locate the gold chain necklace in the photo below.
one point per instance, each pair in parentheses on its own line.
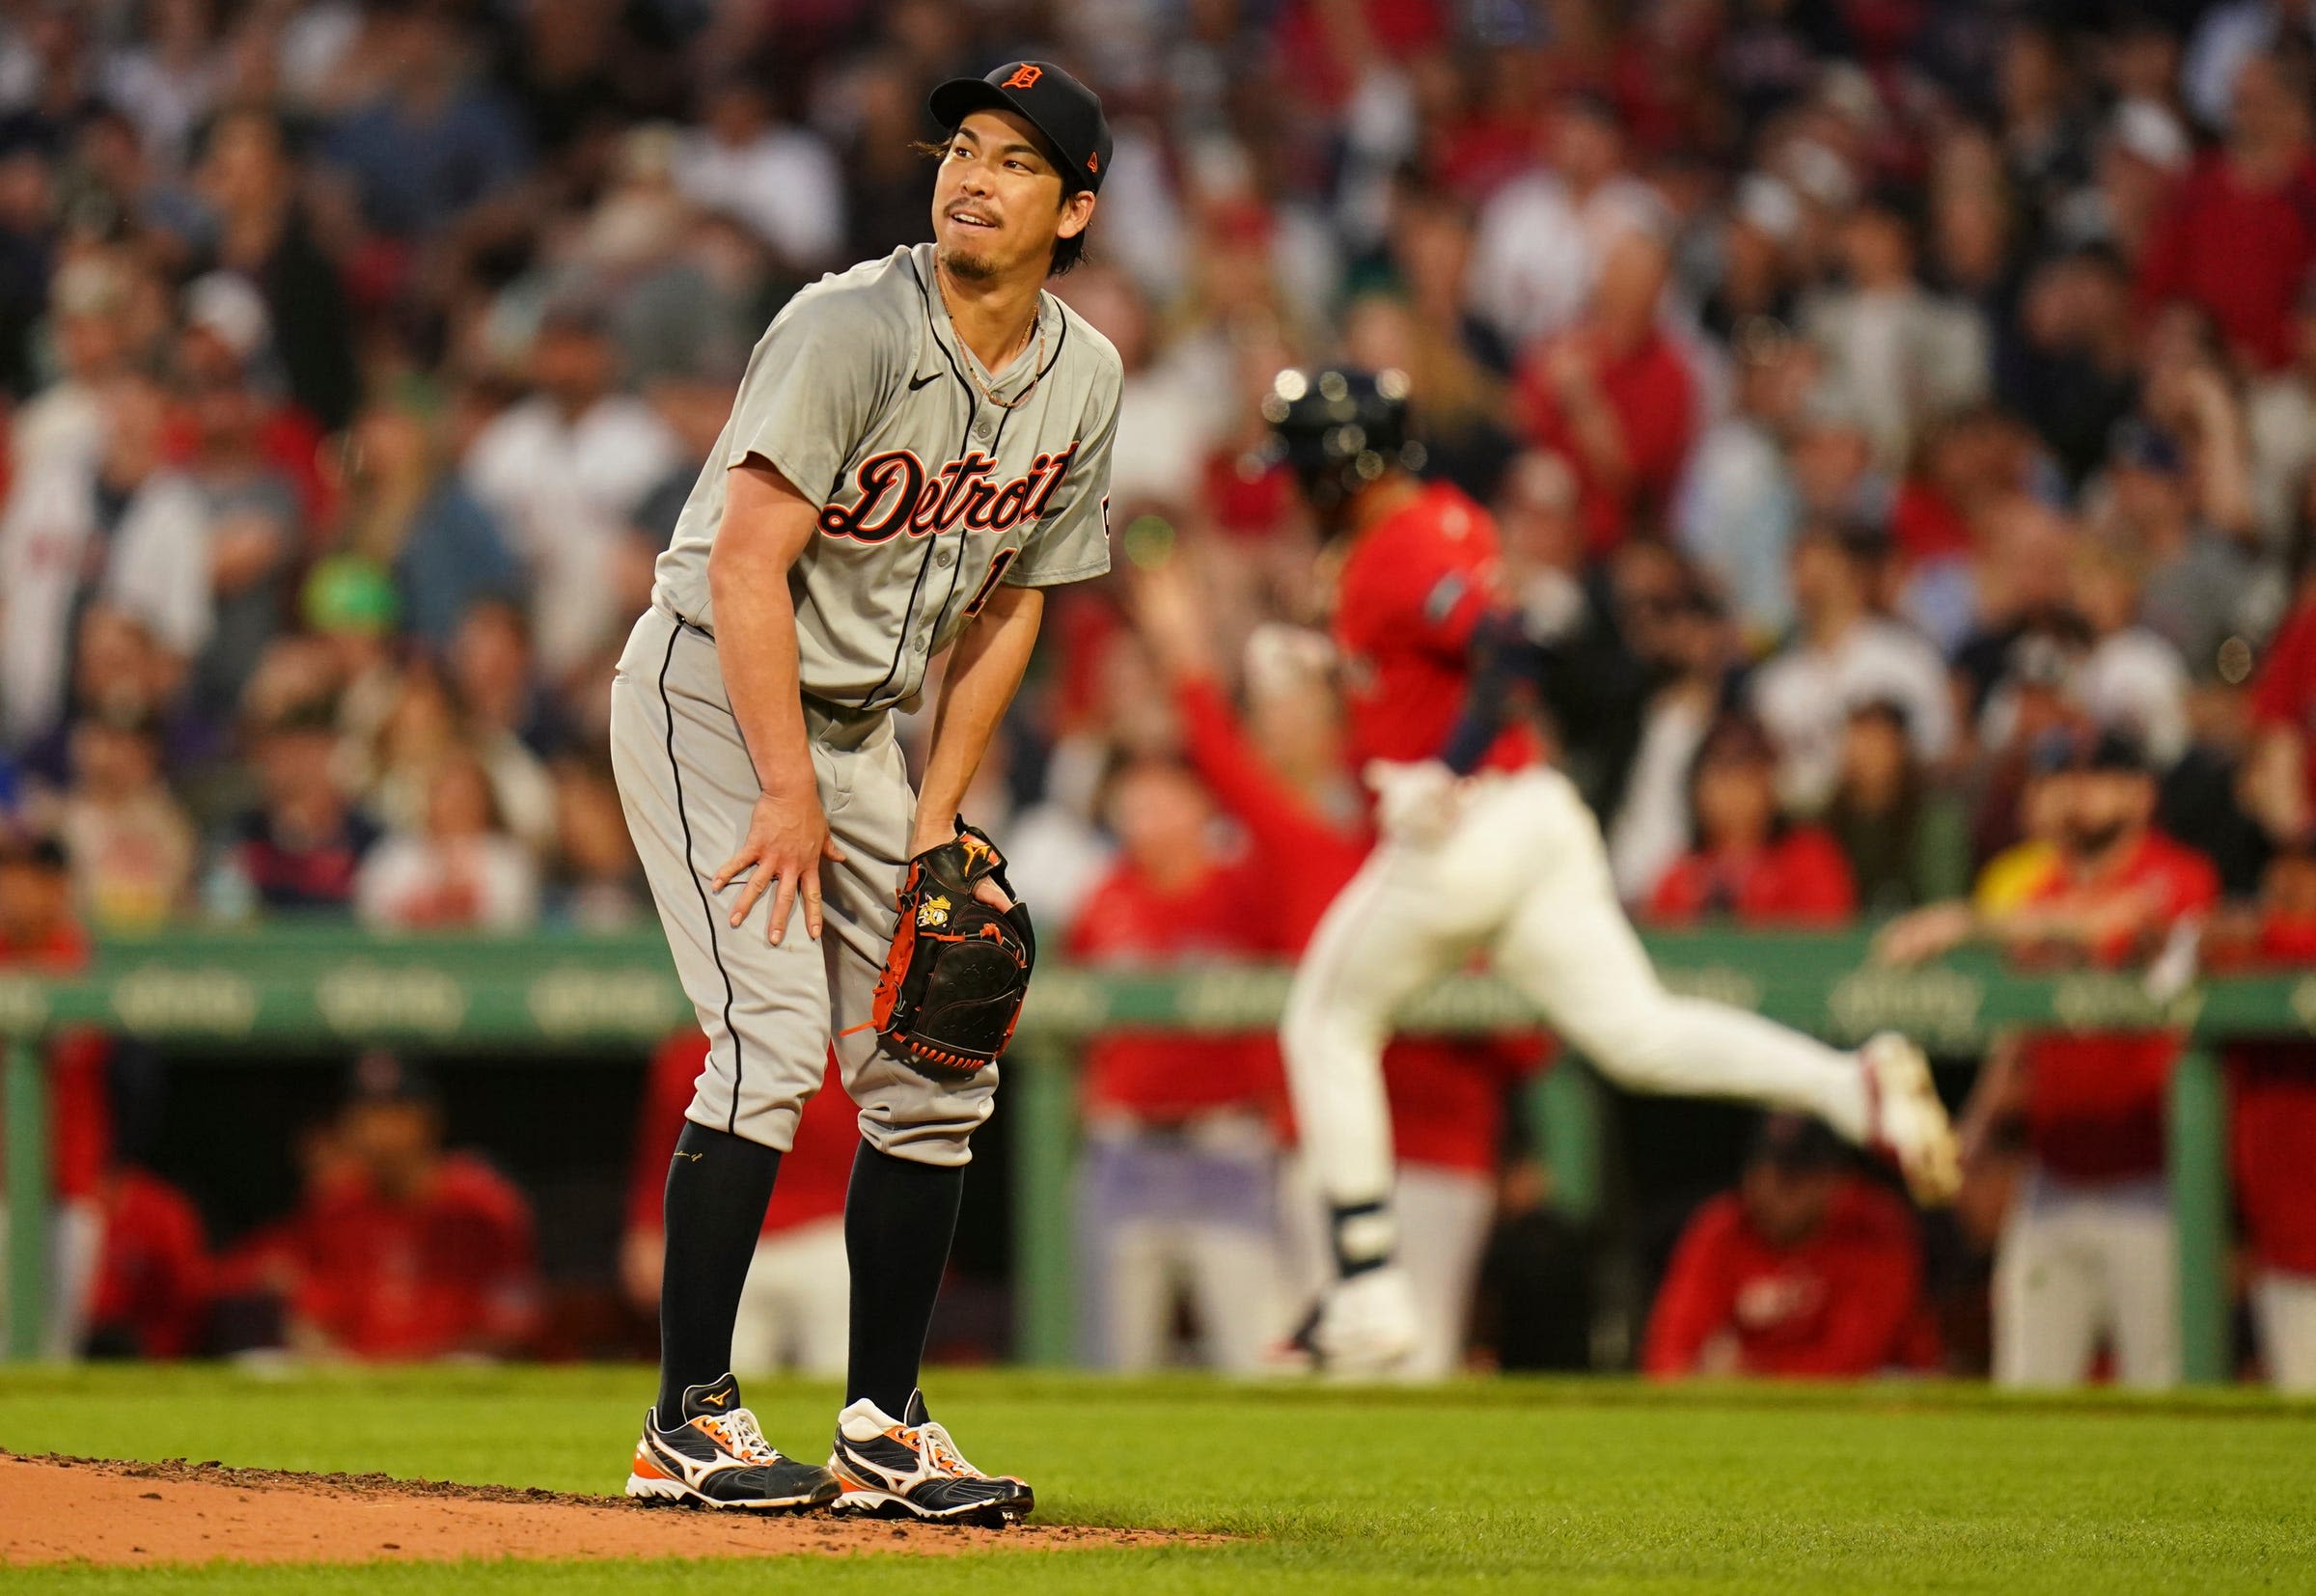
(972,361)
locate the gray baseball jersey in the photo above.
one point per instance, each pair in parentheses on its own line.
(931,491)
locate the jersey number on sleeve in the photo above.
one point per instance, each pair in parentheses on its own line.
(996,569)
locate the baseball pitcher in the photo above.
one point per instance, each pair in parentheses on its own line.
(919,448)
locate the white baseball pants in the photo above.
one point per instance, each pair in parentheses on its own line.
(1522,875)
(2081,1265)
(2284,1306)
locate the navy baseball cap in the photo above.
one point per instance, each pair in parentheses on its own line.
(1067,113)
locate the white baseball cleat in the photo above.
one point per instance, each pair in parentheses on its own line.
(908,1468)
(1365,1326)
(1906,1122)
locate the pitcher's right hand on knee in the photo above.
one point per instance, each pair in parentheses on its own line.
(788,839)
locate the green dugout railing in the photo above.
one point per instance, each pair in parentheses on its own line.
(544,996)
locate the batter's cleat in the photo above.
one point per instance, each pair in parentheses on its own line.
(909,1468)
(1905,1121)
(718,1458)
(1365,1326)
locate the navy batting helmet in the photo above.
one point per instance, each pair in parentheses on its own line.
(1338,429)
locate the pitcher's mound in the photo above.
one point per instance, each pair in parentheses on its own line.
(68,1510)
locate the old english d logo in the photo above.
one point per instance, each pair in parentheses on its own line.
(1024,76)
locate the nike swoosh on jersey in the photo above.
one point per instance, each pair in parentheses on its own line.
(916,383)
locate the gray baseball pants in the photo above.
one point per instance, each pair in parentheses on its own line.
(770,1011)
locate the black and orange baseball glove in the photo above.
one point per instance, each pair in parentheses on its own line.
(958,970)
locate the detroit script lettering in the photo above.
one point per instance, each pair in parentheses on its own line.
(897,494)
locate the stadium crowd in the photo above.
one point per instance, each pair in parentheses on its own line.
(1914,399)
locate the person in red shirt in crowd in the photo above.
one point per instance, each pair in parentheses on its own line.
(416,1253)
(39,935)
(1613,396)
(2239,236)
(1806,1269)
(1178,1182)
(1447,1094)
(2279,785)
(796,1308)
(1748,865)
(2086,1256)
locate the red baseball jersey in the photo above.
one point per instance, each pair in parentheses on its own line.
(2095,1103)
(450,1267)
(1844,1302)
(1446,1092)
(2272,1125)
(1412,589)
(814,1173)
(153,1279)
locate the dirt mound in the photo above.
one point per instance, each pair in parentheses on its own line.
(70,1509)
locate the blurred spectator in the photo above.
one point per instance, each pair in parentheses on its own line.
(1691,652)
(254,509)
(412,1253)
(2280,432)
(1746,863)
(436,137)
(565,473)
(505,716)
(1806,1269)
(302,845)
(2279,781)
(406,509)
(1180,1179)
(131,845)
(781,179)
(1545,237)
(2198,579)
(1843,654)
(2129,678)
(462,872)
(1738,504)
(2088,1256)
(1906,838)
(2068,371)
(1613,396)
(598,883)
(253,223)
(120,528)
(89,334)
(2237,238)
(796,1308)
(1902,355)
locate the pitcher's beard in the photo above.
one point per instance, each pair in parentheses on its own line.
(966,267)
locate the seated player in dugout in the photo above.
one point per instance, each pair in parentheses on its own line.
(921,447)
(1806,1269)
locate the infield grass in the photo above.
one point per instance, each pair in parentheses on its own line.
(1512,1486)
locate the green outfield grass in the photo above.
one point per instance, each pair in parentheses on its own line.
(1509,1486)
